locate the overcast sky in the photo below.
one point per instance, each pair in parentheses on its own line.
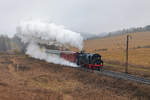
(94,16)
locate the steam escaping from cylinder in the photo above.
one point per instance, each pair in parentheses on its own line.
(33,32)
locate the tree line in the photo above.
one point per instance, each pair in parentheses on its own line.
(130,30)
(7,43)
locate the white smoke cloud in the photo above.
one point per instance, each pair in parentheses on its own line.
(32,30)
(34,50)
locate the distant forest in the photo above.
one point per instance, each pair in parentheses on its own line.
(130,30)
(9,44)
(120,32)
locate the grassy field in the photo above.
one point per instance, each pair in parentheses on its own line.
(112,50)
(25,78)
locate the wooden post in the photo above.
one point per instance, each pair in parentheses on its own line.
(127,49)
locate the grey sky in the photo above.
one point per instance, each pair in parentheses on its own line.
(94,16)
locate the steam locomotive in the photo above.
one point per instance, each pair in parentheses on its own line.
(91,61)
(86,60)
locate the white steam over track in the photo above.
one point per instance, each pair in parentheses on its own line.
(33,32)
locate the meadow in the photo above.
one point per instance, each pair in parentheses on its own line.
(113,51)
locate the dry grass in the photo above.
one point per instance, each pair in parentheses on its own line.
(113,49)
(46,81)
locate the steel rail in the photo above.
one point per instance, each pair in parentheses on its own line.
(120,75)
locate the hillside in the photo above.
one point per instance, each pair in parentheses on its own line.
(112,49)
(25,78)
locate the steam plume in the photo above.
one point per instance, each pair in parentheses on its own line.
(33,32)
(31,29)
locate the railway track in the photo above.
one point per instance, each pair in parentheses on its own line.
(84,57)
(124,76)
